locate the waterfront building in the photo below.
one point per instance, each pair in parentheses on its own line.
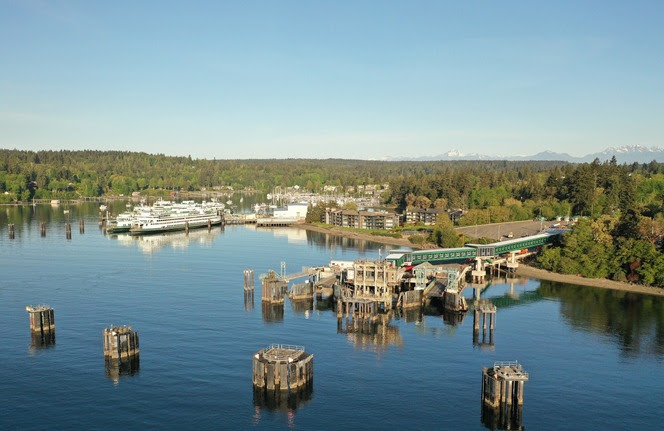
(361,219)
(431,216)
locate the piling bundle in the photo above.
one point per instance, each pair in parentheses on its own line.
(502,393)
(282,367)
(120,342)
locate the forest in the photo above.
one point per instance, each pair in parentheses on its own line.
(620,235)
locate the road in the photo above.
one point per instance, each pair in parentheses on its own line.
(497,231)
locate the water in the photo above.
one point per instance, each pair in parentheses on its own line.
(595,357)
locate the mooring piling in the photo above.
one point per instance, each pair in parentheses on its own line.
(120,342)
(282,367)
(502,391)
(249,279)
(42,325)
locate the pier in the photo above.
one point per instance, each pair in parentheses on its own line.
(274,222)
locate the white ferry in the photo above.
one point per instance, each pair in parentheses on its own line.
(173,222)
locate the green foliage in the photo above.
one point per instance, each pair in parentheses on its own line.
(417,239)
(444,235)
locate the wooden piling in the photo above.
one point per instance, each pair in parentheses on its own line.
(42,319)
(502,385)
(120,342)
(282,367)
(68,230)
(186,227)
(81,226)
(486,312)
(11,231)
(42,228)
(249,279)
(273,288)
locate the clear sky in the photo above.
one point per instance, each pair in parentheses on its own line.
(350,79)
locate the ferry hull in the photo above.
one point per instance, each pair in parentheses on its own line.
(179,227)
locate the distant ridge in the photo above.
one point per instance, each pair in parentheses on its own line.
(624,154)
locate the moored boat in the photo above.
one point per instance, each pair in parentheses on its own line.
(173,222)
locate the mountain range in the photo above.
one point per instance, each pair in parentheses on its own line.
(625,154)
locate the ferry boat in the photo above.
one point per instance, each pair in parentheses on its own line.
(173,222)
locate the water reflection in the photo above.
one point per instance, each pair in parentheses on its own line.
(115,368)
(372,333)
(272,313)
(248,300)
(149,244)
(281,401)
(329,241)
(505,418)
(302,306)
(635,321)
(42,340)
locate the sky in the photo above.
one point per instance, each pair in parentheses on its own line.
(348,79)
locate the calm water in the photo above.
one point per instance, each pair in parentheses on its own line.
(595,357)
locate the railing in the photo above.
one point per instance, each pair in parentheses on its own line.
(285,347)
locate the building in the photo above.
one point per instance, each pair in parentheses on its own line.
(361,219)
(430,216)
(427,216)
(294,211)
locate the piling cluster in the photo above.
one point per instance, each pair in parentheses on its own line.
(484,315)
(282,367)
(502,394)
(42,325)
(120,342)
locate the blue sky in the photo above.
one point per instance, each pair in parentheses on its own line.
(351,79)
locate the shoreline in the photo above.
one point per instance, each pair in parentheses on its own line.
(523,269)
(542,274)
(402,242)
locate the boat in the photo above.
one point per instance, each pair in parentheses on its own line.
(173,222)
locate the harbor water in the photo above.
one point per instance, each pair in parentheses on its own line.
(595,357)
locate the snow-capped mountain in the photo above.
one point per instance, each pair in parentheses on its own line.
(624,154)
